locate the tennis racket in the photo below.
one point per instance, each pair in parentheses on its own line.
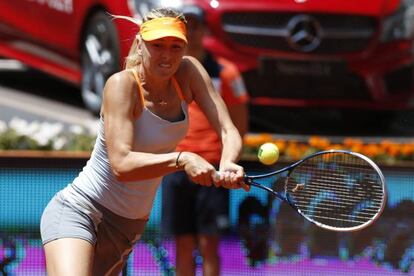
(337,190)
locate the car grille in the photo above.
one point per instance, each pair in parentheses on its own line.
(337,33)
(346,87)
(399,81)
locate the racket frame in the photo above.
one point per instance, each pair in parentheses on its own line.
(250,180)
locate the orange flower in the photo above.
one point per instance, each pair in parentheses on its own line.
(386,142)
(407,150)
(295,150)
(356,147)
(371,150)
(352,142)
(337,147)
(388,145)
(319,142)
(256,140)
(292,151)
(281,144)
(393,150)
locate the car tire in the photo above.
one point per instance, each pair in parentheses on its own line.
(100,58)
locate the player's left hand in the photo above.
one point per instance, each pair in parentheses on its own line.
(230,176)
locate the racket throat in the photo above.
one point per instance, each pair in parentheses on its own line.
(289,200)
(287,196)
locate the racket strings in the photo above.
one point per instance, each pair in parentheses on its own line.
(338,190)
(342,210)
(331,202)
(276,182)
(364,215)
(344,193)
(340,220)
(356,189)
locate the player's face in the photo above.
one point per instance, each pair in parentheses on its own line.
(163,56)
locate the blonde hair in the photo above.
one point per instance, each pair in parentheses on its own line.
(133,58)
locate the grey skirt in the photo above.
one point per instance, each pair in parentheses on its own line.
(112,235)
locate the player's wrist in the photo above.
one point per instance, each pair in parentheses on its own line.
(226,164)
(182,159)
(179,161)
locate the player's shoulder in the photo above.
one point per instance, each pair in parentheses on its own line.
(188,67)
(188,64)
(121,81)
(124,78)
(121,76)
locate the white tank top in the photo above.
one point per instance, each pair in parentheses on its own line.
(132,200)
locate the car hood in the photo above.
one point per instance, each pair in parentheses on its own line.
(370,8)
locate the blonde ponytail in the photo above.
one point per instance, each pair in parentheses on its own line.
(133,58)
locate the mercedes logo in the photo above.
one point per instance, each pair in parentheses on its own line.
(304,33)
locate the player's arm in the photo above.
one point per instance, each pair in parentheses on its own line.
(120,110)
(217,113)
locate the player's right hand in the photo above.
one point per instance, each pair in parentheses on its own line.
(197,168)
(230,180)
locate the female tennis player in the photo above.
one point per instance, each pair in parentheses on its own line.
(91,226)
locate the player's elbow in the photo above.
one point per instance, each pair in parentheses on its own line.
(120,168)
(118,171)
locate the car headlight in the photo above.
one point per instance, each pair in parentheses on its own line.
(139,8)
(400,24)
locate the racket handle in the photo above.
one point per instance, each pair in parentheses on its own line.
(216,176)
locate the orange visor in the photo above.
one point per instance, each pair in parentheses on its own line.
(163,27)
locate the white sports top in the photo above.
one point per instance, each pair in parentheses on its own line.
(132,200)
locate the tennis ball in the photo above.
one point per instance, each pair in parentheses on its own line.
(268,153)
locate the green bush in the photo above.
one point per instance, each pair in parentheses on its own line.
(19,134)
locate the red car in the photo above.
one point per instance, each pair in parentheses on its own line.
(337,53)
(292,52)
(73,40)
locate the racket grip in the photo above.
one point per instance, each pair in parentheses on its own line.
(216,176)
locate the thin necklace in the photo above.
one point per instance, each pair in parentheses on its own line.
(159,101)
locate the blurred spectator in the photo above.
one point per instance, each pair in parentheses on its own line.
(197,215)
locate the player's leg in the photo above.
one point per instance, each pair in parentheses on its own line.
(116,238)
(212,221)
(69,256)
(185,246)
(68,237)
(209,247)
(178,218)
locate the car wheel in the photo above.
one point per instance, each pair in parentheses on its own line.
(99,58)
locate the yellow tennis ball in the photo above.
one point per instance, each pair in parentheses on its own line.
(268,153)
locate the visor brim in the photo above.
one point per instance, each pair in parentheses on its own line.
(157,34)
